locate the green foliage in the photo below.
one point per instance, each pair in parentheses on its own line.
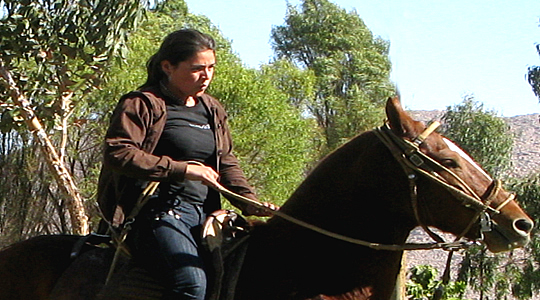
(350,65)
(481,133)
(525,267)
(423,283)
(533,76)
(272,140)
(298,84)
(485,272)
(56,48)
(57,52)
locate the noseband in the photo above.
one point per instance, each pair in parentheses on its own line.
(413,161)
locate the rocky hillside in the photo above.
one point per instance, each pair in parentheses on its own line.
(526,152)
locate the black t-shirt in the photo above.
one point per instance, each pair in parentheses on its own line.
(187,136)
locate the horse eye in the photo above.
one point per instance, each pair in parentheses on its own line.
(449,163)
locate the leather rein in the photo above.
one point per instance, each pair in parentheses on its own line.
(414,162)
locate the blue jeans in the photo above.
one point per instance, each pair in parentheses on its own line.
(167,243)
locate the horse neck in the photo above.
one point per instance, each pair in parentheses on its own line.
(357,190)
(353,196)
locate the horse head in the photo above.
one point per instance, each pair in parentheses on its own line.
(454,193)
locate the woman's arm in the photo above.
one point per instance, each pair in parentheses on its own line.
(130,139)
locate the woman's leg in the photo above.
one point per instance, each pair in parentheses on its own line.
(184,267)
(167,247)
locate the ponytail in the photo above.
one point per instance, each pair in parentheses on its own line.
(154,71)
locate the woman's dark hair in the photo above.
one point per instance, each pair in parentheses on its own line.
(178,46)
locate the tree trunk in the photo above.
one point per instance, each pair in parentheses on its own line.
(79,219)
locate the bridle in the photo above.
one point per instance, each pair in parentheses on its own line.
(413,161)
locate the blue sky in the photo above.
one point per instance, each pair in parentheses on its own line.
(440,50)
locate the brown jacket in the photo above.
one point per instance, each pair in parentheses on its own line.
(136,126)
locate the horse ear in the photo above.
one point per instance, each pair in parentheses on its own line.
(400,121)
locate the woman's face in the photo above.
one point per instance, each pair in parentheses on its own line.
(191,77)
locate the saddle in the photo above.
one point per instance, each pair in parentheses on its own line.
(224,244)
(224,237)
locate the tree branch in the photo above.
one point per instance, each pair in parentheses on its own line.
(79,219)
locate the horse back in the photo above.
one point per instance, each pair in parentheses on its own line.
(30,269)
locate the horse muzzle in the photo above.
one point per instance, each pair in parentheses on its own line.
(504,238)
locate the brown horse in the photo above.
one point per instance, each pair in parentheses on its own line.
(371,193)
(361,191)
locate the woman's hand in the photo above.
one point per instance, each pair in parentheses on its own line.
(209,177)
(202,173)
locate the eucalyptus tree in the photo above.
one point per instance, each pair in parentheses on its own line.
(525,267)
(351,66)
(533,76)
(513,275)
(273,140)
(53,54)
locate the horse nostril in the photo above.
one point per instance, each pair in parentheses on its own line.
(524,225)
